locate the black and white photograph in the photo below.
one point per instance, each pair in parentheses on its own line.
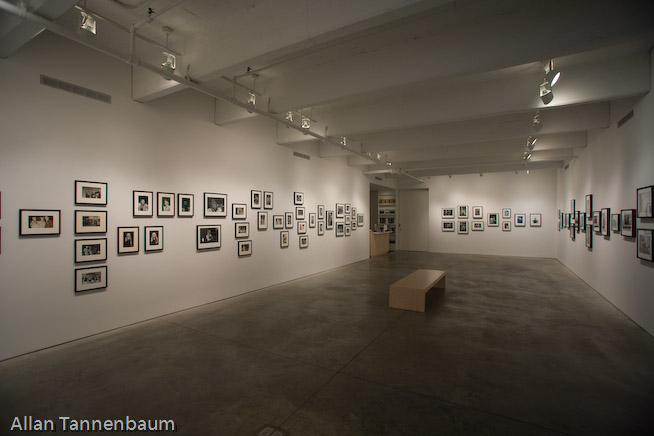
(447,213)
(348,209)
(534,220)
(215,205)
(283,239)
(35,222)
(329,224)
(90,250)
(298,198)
(267,200)
(90,193)
(321,228)
(312,220)
(360,220)
(582,221)
(128,240)
(185,205)
(615,223)
(255,199)
(348,220)
(644,202)
(477,213)
(90,221)
(153,238)
(301,227)
(340,228)
(447,226)
(520,220)
(321,212)
(644,244)
(462,227)
(340,210)
(506,226)
(477,226)
(262,220)
(143,204)
(242,230)
(89,279)
(597,221)
(165,204)
(589,205)
(278,222)
(493,219)
(208,237)
(462,212)
(627,219)
(289,220)
(348,230)
(506,214)
(299,213)
(239,211)
(354,225)
(354,212)
(244,248)
(589,237)
(304,241)
(605,221)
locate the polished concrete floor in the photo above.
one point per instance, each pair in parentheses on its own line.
(513,346)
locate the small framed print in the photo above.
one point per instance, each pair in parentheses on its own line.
(301,227)
(244,248)
(142,203)
(340,229)
(35,222)
(321,228)
(572,231)
(185,205)
(589,205)
(348,230)
(462,227)
(447,213)
(321,212)
(153,238)
(597,220)
(90,250)
(644,202)
(447,226)
(329,220)
(477,226)
(506,214)
(582,221)
(241,230)
(348,220)
(299,213)
(90,221)
(267,200)
(278,222)
(360,221)
(128,240)
(165,204)
(534,220)
(340,210)
(255,199)
(506,226)
(354,225)
(262,220)
(90,193)
(477,213)
(208,237)
(462,211)
(520,220)
(348,209)
(572,206)
(283,239)
(289,220)
(615,223)
(605,221)
(298,198)
(589,237)
(239,211)
(89,279)
(644,244)
(354,212)
(312,220)
(493,219)
(215,205)
(304,241)
(628,222)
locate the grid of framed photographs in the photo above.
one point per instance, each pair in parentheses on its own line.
(492,219)
(91,222)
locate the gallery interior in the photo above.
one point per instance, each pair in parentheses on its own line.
(204,206)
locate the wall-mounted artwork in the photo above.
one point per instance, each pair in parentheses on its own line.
(142,204)
(348,230)
(340,210)
(520,220)
(241,230)
(348,209)
(128,240)
(615,223)
(298,198)
(589,237)
(477,226)
(268,200)
(477,213)
(493,219)
(301,227)
(462,227)
(244,248)
(321,228)
(644,202)
(447,213)
(321,212)
(506,226)
(360,221)
(185,205)
(89,279)
(329,224)
(239,211)
(262,220)
(644,244)
(340,229)
(304,241)
(582,221)
(462,212)
(628,220)
(278,222)
(578,221)
(605,221)
(255,199)
(299,213)
(447,226)
(215,205)
(354,212)
(535,219)
(153,238)
(597,221)
(312,220)
(289,220)
(354,225)
(165,204)
(90,193)
(506,214)
(208,237)
(283,239)
(589,206)
(90,250)
(90,221)
(348,220)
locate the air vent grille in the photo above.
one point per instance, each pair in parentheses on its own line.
(303,156)
(75,89)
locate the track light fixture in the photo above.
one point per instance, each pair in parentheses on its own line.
(526,155)
(170,62)
(88,23)
(305,122)
(252,97)
(528,172)
(546,92)
(531,143)
(537,123)
(289,116)
(343,141)
(551,75)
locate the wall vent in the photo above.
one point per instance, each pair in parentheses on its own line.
(625,118)
(75,89)
(378,178)
(303,156)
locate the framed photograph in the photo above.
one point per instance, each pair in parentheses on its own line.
(90,221)
(348,230)
(578,221)
(447,226)
(278,222)
(239,211)
(582,221)
(462,227)
(597,219)
(615,223)
(329,224)
(165,204)
(506,226)
(128,240)
(242,230)
(153,238)
(185,205)
(572,206)
(348,220)
(477,213)
(340,228)
(255,199)
(35,222)
(447,213)
(301,227)
(520,220)
(506,214)
(340,210)
(90,193)
(90,250)
(477,226)
(321,212)
(89,279)
(244,248)
(572,231)
(348,209)
(142,204)
(534,220)
(262,220)
(644,245)
(493,219)
(267,200)
(208,237)
(360,221)
(312,220)
(299,213)
(283,239)
(589,237)
(215,205)
(605,221)
(321,228)
(354,225)
(589,205)
(354,212)
(462,211)
(628,219)
(304,241)
(289,220)
(298,198)
(644,203)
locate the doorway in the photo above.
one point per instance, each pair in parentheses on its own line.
(414,220)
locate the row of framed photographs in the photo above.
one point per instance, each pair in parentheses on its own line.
(462,212)
(602,222)
(48,222)
(463,227)
(493,220)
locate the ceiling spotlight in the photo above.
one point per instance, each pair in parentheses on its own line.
(537,122)
(289,116)
(389,164)
(531,143)
(526,155)
(551,75)
(343,141)
(170,62)
(88,23)
(306,122)
(546,94)
(378,156)
(528,172)
(252,97)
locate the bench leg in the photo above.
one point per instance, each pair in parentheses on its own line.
(407,299)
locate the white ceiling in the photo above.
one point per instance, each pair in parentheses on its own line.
(435,87)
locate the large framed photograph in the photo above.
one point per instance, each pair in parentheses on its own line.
(34,222)
(477,213)
(447,213)
(267,200)
(534,220)
(644,244)
(519,220)
(289,220)
(628,222)
(329,224)
(506,214)
(493,219)
(142,204)
(215,205)
(244,248)
(299,213)
(239,211)
(255,199)
(298,198)
(312,220)
(90,193)
(340,210)
(321,212)
(89,279)
(90,250)
(605,221)
(615,223)
(340,228)
(262,220)
(304,241)
(165,204)
(90,221)
(128,240)
(283,239)
(462,211)
(301,227)
(185,205)
(242,230)
(360,220)
(447,226)
(278,222)
(321,228)
(209,237)
(644,202)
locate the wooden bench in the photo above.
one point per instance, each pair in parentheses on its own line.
(409,293)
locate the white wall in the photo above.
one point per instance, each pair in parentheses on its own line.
(51,138)
(615,163)
(534,193)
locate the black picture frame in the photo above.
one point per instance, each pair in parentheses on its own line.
(278,222)
(90,193)
(597,221)
(644,244)
(165,204)
(493,219)
(153,238)
(606,221)
(268,200)
(284,239)
(185,205)
(329,219)
(589,237)
(91,278)
(208,237)
(39,222)
(299,213)
(288,220)
(128,240)
(215,205)
(520,220)
(628,221)
(303,241)
(321,211)
(244,248)
(589,205)
(298,198)
(644,201)
(142,204)
(239,211)
(321,228)
(262,220)
(90,221)
(255,199)
(462,212)
(340,210)
(90,250)
(242,230)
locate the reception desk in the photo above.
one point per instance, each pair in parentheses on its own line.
(379,243)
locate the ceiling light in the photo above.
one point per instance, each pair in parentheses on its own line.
(170,61)
(546,94)
(378,156)
(551,75)
(88,23)
(531,142)
(289,116)
(537,122)
(528,172)
(252,97)
(306,122)
(343,141)
(526,155)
